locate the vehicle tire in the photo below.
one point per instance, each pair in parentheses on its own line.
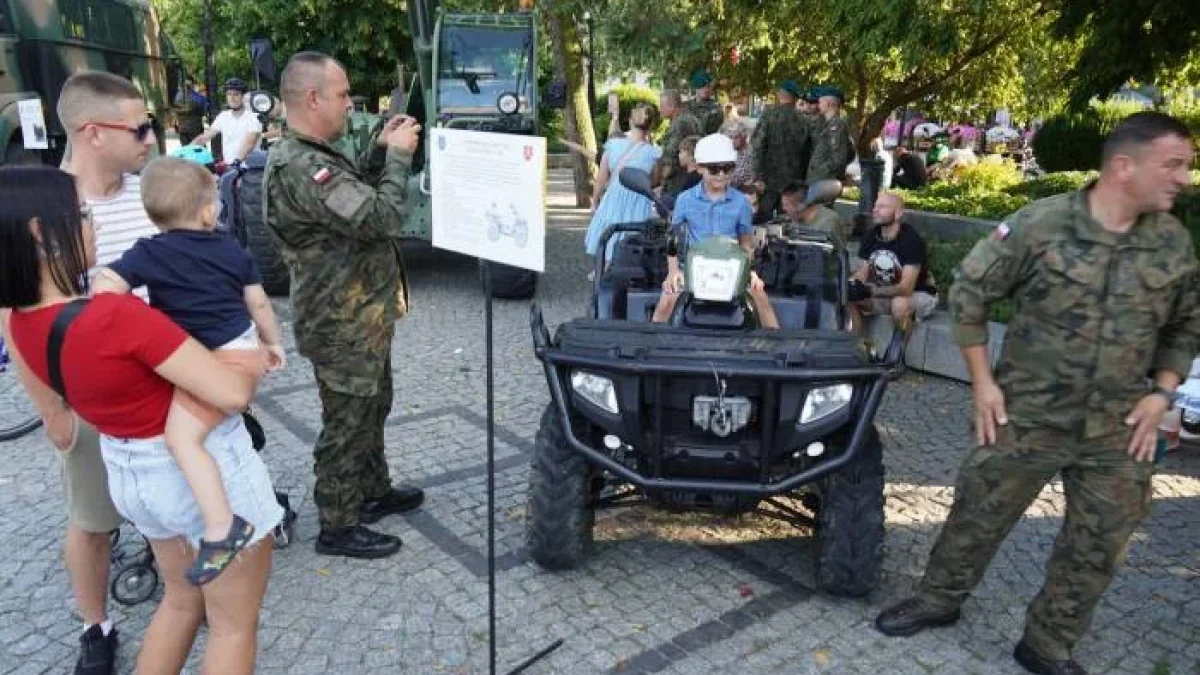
(134,584)
(508,282)
(260,241)
(561,505)
(16,154)
(850,524)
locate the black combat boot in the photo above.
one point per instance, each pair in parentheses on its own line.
(356,542)
(1036,663)
(399,500)
(911,617)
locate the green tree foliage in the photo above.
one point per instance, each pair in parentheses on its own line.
(1125,40)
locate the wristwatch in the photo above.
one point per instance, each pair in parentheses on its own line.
(1171,396)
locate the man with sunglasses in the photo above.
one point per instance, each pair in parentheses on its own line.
(713,209)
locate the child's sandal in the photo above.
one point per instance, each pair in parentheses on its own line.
(215,556)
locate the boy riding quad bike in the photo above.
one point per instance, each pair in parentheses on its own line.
(709,411)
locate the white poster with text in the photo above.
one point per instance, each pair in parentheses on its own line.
(489,196)
(33,124)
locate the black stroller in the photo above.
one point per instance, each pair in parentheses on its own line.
(135,577)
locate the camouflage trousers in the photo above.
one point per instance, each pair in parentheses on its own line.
(1108,495)
(350,465)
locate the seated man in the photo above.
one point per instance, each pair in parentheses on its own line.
(713,209)
(811,210)
(894,276)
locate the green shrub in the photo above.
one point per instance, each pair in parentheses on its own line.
(1187,210)
(1070,142)
(943,257)
(987,176)
(1051,184)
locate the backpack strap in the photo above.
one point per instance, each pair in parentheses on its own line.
(54,346)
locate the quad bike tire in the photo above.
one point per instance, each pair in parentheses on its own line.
(508,282)
(263,247)
(561,509)
(850,524)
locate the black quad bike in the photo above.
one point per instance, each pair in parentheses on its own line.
(708,411)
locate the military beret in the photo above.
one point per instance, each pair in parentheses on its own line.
(790,87)
(701,79)
(832,91)
(811,95)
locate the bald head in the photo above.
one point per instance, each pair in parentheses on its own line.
(93,96)
(304,72)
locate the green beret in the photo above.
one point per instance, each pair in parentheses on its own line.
(701,79)
(831,91)
(811,95)
(790,87)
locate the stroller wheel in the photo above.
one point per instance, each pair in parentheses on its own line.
(258,437)
(285,531)
(134,584)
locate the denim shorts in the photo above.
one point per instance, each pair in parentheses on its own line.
(150,491)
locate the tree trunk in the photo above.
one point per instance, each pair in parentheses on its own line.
(568,64)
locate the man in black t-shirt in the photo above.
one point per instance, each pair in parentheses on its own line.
(894,275)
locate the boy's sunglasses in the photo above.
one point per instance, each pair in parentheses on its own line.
(141,132)
(718,168)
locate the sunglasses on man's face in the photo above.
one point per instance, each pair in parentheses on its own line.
(141,132)
(717,169)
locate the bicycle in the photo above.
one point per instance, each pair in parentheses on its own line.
(18,416)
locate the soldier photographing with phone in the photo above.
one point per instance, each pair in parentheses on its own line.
(338,222)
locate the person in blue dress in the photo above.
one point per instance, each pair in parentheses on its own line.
(612,202)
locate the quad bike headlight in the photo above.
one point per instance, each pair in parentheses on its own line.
(714,279)
(596,389)
(823,402)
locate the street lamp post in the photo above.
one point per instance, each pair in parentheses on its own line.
(210,63)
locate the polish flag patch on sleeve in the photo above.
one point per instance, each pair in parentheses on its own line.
(1001,232)
(322,175)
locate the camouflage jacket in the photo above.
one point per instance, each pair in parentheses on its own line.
(826,219)
(780,141)
(685,124)
(1095,311)
(832,151)
(338,223)
(709,113)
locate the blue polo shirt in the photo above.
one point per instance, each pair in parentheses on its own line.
(705,217)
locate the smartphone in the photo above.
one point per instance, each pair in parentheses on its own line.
(614,103)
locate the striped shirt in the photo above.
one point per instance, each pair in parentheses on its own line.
(120,220)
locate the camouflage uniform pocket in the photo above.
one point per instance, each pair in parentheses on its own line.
(1065,291)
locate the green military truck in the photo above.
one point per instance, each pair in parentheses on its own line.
(43,42)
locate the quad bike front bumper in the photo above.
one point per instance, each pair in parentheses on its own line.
(644,361)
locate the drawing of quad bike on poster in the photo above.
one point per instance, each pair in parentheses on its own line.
(514,225)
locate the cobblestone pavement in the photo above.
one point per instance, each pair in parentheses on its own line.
(662,594)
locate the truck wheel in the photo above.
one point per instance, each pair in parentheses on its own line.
(510,282)
(259,240)
(562,499)
(850,524)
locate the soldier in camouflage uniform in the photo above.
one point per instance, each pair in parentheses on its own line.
(779,143)
(338,223)
(1105,287)
(683,125)
(832,149)
(704,106)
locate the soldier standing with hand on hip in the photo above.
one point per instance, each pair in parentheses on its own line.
(338,223)
(1106,289)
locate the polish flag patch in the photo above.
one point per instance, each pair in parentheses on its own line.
(322,175)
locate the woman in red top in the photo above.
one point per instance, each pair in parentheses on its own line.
(120,362)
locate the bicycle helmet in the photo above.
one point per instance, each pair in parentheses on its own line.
(194,153)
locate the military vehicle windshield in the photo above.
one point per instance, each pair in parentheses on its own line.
(476,65)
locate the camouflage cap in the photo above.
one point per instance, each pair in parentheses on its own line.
(700,79)
(790,87)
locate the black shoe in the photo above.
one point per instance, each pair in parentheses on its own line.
(1036,663)
(357,542)
(399,500)
(911,617)
(97,652)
